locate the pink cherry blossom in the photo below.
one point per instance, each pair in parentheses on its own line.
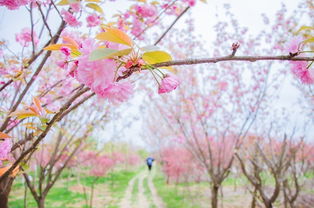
(299,69)
(76,7)
(25,37)
(169,83)
(5,148)
(137,27)
(145,10)
(70,19)
(223,86)
(65,50)
(97,75)
(117,92)
(293,46)
(102,164)
(93,20)
(13,4)
(190,2)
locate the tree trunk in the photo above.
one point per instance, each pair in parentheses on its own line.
(41,202)
(91,196)
(268,204)
(5,188)
(214,196)
(253,203)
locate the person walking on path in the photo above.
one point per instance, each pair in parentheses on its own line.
(149,162)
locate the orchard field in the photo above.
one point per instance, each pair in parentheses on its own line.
(137,187)
(156,104)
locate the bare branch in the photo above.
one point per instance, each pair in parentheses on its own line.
(232,58)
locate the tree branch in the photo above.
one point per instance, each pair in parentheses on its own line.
(169,28)
(232,58)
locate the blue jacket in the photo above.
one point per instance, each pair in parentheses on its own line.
(149,160)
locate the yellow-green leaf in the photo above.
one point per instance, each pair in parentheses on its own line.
(75,53)
(70,41)
(123,52)
(92,0)
(37,103)
(55,47)
(66,2)
(95,7)
(63,2)
(150,48)
(305,28)
(101,53)
(116,36)
(23,114)
(309,40)
(154,57)
(170,68)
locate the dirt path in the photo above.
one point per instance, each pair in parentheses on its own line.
(142,200)
(126,201)
(155,197)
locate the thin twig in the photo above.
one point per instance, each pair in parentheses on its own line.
(156,18)
(169,28)
(44,19)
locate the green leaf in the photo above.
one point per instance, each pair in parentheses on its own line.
(25,166)
(44,120)
(123,52)
(150,48)
(309,40)
(154,57)
(305,28)
(95,7)
(66,2)
(21,114)
(102,53)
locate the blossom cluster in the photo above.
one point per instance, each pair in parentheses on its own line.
(300,69)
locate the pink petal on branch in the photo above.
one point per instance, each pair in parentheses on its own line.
(95,74)
(169,83)
(117,92)
(145,10)
(293,46)
(5,148)
(299,69)
(13,4)
(93,20)
(25,37)
(70,19)
(76,7)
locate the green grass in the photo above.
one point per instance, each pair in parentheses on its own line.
(135,190)
(170,194)
(146,188)
(57,198)
(148,193)
(61,197)
(120,181)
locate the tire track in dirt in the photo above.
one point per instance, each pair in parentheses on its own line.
(141,197)
(126,201)
(155,197)
(141,200)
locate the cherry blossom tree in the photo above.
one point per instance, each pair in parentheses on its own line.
(59,67)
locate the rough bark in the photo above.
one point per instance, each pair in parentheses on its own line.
(214,197)
(5,188)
